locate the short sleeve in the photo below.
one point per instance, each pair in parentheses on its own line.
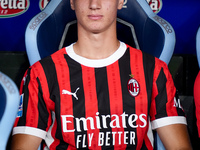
(165,108)
(34,115)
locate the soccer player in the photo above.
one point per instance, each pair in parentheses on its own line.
(99,93)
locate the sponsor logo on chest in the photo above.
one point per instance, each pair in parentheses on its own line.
(123,128)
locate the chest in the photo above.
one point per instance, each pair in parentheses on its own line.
(102,106)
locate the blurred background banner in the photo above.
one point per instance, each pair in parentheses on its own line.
(183,15)
(14,17)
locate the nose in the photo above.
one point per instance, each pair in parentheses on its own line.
(95,4)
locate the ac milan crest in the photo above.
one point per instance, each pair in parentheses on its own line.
(133,87)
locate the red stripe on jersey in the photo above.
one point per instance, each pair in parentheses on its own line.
(91,105)
(116,104)
(32,110)
(153,111)
(171,90)
(70,147)
(66,108)
(141,101)
(16,121)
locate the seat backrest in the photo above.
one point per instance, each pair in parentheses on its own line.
(137,26)
(198,46)
(9,103)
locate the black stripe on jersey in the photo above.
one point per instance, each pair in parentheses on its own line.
(128,100)
(144,147)
(42,109)
(78,105)
(125,72)
(52,81)
(22,119)
(51,77)
(161,98)
(103,99)
(149,66)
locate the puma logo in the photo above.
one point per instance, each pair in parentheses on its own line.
(70,93)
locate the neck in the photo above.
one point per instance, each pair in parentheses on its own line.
(96,46)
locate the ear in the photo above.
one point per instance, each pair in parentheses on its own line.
(120,4)
(72,4)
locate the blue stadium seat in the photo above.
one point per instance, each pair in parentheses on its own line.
(138,26)
(8,108)
(198,46)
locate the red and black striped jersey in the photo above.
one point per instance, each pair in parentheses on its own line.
(113,103)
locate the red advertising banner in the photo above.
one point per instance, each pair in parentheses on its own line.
(12,8)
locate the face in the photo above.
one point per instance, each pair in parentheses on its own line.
(96,15)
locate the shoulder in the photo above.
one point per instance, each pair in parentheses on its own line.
(45,65)
(48,59)
(150,63)
(145,57)
(134,51)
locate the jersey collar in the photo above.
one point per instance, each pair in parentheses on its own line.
(97,63)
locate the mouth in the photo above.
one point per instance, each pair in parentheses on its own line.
(95,17)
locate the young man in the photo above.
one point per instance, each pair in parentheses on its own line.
(99,93)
